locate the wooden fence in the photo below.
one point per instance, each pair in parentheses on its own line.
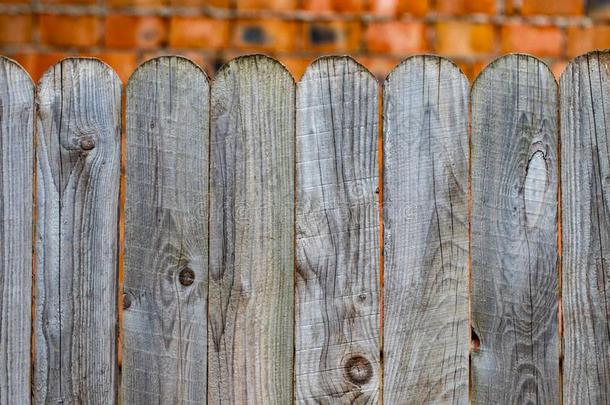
(283,243)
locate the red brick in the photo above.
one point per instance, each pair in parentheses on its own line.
(15,29)
(417,8)
(198,32)
(552,7)
(332,36)
(396,37)
(283,5)
(66,30)
(539,41)
(464,39)
(265,35)
(461,7)
(329,6)
(134,32)
(583,40)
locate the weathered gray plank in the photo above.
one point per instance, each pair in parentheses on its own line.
(514,234)
(78,168)
(250,350)
(166,225)
(585,160)
(16,192)
(426,335)
(337,235)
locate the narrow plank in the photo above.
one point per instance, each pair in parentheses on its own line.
(16,189)
(337,235)
(425,184)
(166,213)
(585,161)
(514,234)
(78,169)
(251,320)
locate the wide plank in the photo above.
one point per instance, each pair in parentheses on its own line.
(425,185)
(337,235)
(515,356)
(16,191)
(78,170)
(585,164)
(251,284)
(166,226)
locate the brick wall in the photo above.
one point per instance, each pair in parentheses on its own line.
(37,33)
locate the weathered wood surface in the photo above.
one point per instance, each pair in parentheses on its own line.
(514,234)
(250,350)
(585,157)
(16,192)
(426,335)
(337,235)
(78,169)
(166,225)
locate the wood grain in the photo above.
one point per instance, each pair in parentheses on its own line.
(78,169)
(337,235)
(514,234)
(16,190)
(250,351)
(166,214)
(425,186)
(585,161)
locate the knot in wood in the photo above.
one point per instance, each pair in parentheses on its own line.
(126,301)
(358,370)
(186,277)
(87,142)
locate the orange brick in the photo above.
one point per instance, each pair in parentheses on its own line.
(552,7)
(396,37)
(14,1)
(471,69)
(265,35)
(201,3)
(123,63)
(134,32)
(461,7)
(417,8)
(138,3)
(380,67)
(296,65)
(329,6)
(198,32)
(558,67)
(37,63)
(539,41)
(15,29)
(283,5)
(76,2)
(583,40)
(464,39)
(332,36)
(68,30)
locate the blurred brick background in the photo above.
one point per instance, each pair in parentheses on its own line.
(378,33)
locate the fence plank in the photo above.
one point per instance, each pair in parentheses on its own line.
(514,233)
(426,334)
(251,233)
(337,241)
(585,158)
(16,189)
(166,212)
(78,168)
